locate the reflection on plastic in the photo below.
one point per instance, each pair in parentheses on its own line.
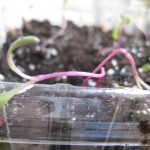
(69,115)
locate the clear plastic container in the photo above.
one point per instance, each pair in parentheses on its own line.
(62,114)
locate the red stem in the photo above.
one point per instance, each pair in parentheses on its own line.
(68,73)
(127,55)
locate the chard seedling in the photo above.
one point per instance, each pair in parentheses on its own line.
(118,31)
(6,96)
(61,31)
(117,35)
(138,80)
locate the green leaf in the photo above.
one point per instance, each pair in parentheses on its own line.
(115,33)
(146,67)
(5,97)
(23,41)
(125,19)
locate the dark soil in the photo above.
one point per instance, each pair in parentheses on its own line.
(77,49)
(144,127)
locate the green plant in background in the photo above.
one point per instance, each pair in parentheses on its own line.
(6,96)
(146,67)
(117,35)
(118,31)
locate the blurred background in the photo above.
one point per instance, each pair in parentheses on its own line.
(85,12)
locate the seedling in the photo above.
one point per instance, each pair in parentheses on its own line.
(118,33)
(34,79)
(146,67)
(61,31)
(6,96)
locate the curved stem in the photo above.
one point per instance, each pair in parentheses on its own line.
(20,42)
(6,96)
(127,55)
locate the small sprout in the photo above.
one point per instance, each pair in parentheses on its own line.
(6,96)
(125,19)
(115,33)
(146,67)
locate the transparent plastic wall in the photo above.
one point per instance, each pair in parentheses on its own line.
(62,114)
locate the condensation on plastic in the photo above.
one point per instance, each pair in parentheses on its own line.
(69,115)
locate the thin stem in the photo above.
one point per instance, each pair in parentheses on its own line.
(6,96)
(14,67)
(127,55)
(117,44)
(100,81)
(16,44)
(60,32)
(144,32)
(144,84)
(69,73)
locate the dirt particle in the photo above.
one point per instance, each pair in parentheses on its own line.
(144,127)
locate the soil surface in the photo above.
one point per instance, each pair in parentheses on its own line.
(79,48)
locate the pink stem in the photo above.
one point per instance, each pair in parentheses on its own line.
(117,45)
(144,32)
(58,33)
(127,55)
(100,81)
(68,73)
